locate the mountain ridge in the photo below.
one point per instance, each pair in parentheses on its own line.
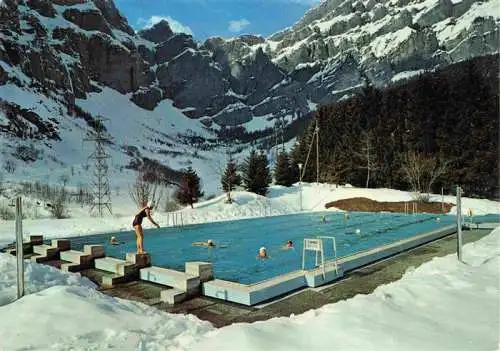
(70,50)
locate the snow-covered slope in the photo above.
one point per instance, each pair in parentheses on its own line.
(442,305)
(176,101)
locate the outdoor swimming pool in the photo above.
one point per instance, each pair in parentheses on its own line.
(234,258)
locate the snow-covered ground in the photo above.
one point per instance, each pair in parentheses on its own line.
(280,200)
(441,305)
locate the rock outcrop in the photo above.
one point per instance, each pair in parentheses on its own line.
(67,48)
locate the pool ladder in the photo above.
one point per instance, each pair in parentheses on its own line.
(414,208)
(177,219)
(317,246)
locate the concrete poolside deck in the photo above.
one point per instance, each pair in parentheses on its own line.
(360,281)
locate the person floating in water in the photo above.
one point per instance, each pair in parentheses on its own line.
(288,245)
(262,253)
(209,243)
(137,224)
(346,215)
(323,219)
(113,241)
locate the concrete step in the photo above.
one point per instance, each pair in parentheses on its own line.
(96,251)
(45,250)
(112,280)
(114,265)
(36,240)
(77,257)
(61,244)
(40,259)
(72,267)
(200,269)
(173,296)
(140,260)
(180,280)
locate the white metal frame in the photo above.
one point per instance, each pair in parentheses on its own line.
(315,245)
(177,219)
(334,246)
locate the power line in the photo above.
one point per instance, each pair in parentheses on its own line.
(102,193)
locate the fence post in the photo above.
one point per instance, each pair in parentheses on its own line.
(459,223)
(442,200)
(19,248)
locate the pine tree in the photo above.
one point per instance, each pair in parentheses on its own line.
(295,158)
(250,171)
(264,173)
(283,171)
(256,174)
(230,178)
(189,188)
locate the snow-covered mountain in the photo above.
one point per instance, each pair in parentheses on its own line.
(169,98)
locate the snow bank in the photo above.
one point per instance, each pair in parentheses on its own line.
(79,318)
(37,277)
(441,305)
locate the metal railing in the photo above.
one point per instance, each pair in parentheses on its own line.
(334,247)
(315,245)
(176,218)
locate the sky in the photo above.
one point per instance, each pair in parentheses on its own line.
(224,18)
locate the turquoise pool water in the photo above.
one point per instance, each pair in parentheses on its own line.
(238,242)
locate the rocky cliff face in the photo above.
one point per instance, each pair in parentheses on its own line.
(70,48)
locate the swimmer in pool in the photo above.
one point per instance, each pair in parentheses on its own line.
(262,253)
(113,241)
(209,243)
(323,219)
(288,245)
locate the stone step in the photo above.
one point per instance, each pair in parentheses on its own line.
(172,296)
(114,265)
(180,280)
(77,257)
(45,250)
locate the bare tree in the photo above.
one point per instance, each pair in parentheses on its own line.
(59,203)
(2,189)
(421,172)
(10,166)
(367,155)
(145,190)
(332,173)
(64,179)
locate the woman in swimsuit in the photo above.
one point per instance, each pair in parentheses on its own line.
(137,224)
